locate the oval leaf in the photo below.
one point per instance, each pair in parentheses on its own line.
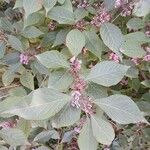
(111,36)
(53,59)
(75,41)
(45,103)
(15,43)
(86,140)
(61,15)
(14,137)
(68,116)
(102,130)
(121,109)
(107,73)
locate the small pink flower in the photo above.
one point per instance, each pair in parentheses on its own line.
(81,25)
(79,126)
(84,50)
(75,65)
(8,124)
(24,58)
(83,4)
(124,82)
(147,49)
(75,99)
(114,57)
(147,33)
(119,3)
(127,10)
(147,58)
(3,36)
(86,105)
(79,85)
(101,18)
(52,26)
(136,61)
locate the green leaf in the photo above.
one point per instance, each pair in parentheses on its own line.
(80,13)
(49,4)
(48,39)
(121,109)
(132,72)
(3,148)
(96,91)
(138,36)
(17,91)
(45,136)
(132,49)
(31,6)
(61,1)
(61,15)
(60,37)
(24,125)
(15,43)
(67,116)
(102,130)
(18,4)
(142,8)
(58,78)
(6,25)
(33,19)
(107,73)
(75,41)
(53,59)
(109,4)
(9,103)
(68,5)
(135,23)
(13,137)
(42,148)
(9,75)
(2,49)
(32,32)
(112,36)
(86,140)
(93,43)
(27,80)
(45,103)
(146,83)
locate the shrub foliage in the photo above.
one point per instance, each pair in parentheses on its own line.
(75,74)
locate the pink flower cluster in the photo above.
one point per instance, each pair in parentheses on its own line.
(2,36)
(79,100)
(101,18)
(52,26)
(75,65)
(136,61)
(147,58)
(114,57)
(27,56)
(97,5)
(147,32)
(81,25)
(119,3)
(79,126)
(8,124)
(124,82)
(24,58)
(147,49)
(125,7)
(79,85)
(83,102)
(127,10)
(83,4)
